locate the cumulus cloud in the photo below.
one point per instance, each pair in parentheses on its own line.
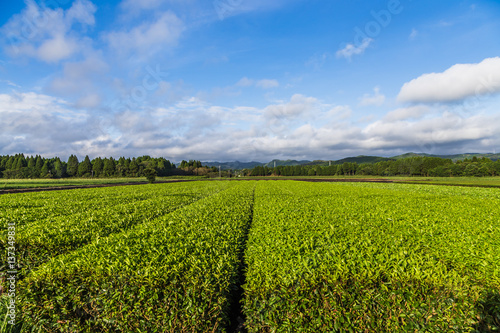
(455,84)
(350,49)
(36,123)
(88,101)
(46,34)
(142,39)
(413,112)
(192,128)
(446,132)
(57,48)
(376,99)
(298,105)
(78,77)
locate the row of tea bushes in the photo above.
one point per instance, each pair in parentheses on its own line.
(40,240)
(372,258)
(173,274)
(28,207)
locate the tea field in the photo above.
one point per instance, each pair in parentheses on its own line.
(252,256)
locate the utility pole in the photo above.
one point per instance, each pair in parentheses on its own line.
(275,164)
(329,163)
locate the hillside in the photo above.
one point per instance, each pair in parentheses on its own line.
(454,158)
(236,165)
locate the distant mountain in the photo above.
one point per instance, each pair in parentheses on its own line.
(454,158)
(233,165)
(358,159)
(363,159)
(285,163)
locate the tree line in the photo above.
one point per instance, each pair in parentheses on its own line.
(19,166)
(411,166)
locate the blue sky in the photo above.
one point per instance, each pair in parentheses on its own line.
(249,80)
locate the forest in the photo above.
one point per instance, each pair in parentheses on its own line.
(21,167)
(411,166)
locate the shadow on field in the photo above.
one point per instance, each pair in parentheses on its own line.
(489,310)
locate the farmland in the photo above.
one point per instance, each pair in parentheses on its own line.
(285,256)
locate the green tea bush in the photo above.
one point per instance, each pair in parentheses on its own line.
(174,274)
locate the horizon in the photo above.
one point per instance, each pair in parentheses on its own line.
(229,80)
(175,162)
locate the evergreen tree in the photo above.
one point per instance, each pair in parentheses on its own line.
(21,162)
(38,166)
(58,168)
(85,167)
(133,168)
(31,167)
(45,169)
(109,167)
(98,167)
(150,174)
(10,162)
(31,162)
(72,168)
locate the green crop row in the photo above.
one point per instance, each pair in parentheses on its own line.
(372,258)
(41,240)
(25,208)
(176,273)
(320,257)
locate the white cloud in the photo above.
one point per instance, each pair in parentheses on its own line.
(79,77)
(455,84)
(301,127)
(267,84)
(245,82)
(350,49)
(42,124)
(81,11)
(10,83)
(264,83)
(376,99)
(142,4)
(413,34)
(148,37)
(57,49)
(341,111)
(317,61)
(298,105)
(413,112)
(46,34)
(89,101)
